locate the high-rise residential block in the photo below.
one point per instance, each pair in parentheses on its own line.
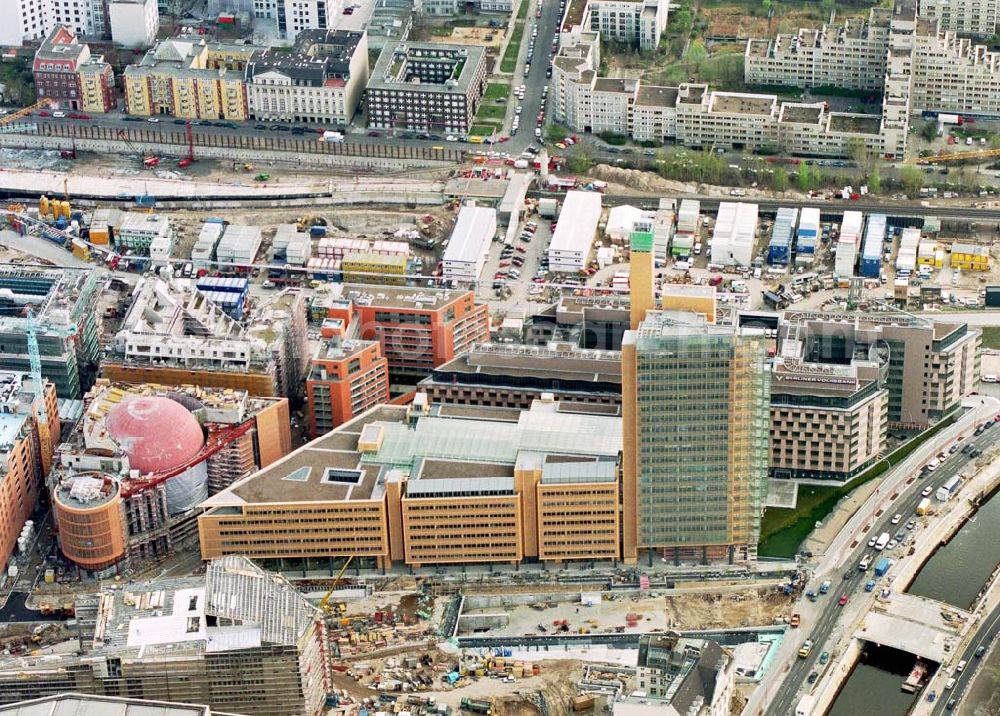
(66,73)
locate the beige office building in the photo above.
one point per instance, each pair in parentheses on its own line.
(434,484)
(828,420)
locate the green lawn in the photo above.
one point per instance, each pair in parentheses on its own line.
(480,129)
(783,530)
(509,61)
(495,91)
(991,336)
(490,112)
(522,12)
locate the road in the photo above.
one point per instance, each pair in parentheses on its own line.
(986,634)
(787,695)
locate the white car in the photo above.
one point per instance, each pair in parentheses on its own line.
(154,120)
(451,138)
(926,492)
(58,115)
(897,518)
(892,544)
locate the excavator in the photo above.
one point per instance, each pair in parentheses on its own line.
(340,608)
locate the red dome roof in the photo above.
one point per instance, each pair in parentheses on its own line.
(156,433)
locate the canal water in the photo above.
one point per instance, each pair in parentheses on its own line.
(957,571)
(954,574)
(870,690)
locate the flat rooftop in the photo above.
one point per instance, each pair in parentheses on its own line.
(536,362)
(90,705)
(653,96)
(446,444)
(395,296)
(398,67)
(736,103)
(855,123)
(801,113)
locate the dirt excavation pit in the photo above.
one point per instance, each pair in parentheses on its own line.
(678,609)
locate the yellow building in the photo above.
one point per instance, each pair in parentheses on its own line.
(970,257)
(367,267)
(189,78)
(448,485)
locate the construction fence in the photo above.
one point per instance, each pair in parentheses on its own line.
(298,144)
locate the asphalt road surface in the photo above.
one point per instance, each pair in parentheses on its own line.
(985,635)
(784,699)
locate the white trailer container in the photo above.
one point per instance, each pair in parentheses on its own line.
(735,234)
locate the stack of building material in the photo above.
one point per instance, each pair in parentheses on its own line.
(779,250)
(239,245)
(871,251)
(807,236)
(688,219)
(906,258)
(161,247)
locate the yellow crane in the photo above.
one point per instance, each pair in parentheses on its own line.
(957,156)
(325,602)
(24,112)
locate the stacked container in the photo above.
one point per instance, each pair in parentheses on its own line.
(807,236)
(779,250)
(871,252)
(687,227)
(906,259)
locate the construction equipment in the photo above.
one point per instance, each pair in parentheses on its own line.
(14,116)
(324,603)
(189,159)
(957,157)
(262,177)
(148,160)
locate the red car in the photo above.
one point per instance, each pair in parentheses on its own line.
(44,113)
(504,263)
(521,250)
(843,600)
(78,115)
(373,133)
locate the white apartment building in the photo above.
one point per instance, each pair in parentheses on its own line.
(695,116)
(638,23)
(909,59)
(25,20)
(453,7)
(965,17)
(134,23)
(954,75)
(849,55)
(321,81)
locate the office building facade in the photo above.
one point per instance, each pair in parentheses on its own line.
(427,87)
(434,484)
(695,413)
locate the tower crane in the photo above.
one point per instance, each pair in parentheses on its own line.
(25,111)
(35,367)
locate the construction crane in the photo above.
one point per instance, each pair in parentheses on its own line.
(189,159)
(324,603)
(957,157)
(35,367)
(24,112)
(148,160)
